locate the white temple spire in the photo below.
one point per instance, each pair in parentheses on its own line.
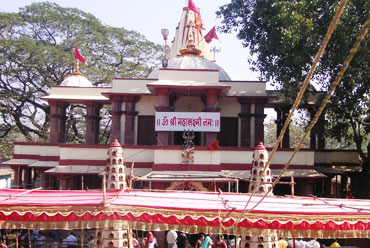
(190,25)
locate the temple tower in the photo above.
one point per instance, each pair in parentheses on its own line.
(116,237)
(112,238)
(115,169)
(260,158)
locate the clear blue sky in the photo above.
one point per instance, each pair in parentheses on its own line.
(148,17)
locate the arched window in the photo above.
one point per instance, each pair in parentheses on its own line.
(111,244)
(114,153)
(121,178)
(114,161)
(114,170)
(111,236)
(261,156)
(262,164)
(113,178)
(120,170)
(262,189)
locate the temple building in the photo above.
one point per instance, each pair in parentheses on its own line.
(187,126)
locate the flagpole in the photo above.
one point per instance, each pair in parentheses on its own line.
(199,41)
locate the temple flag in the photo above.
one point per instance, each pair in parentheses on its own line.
(213,146)
(79,56)
(211,35)
(199,23)
(192,6)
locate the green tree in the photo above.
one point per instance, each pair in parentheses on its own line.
(296,131)
(36,52)
(285,36)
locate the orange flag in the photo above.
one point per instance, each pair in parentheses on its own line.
(198,22)
(211,35)
(78,56)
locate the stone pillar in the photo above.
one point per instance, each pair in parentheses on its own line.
(259,117)
(92,122)
(313,134)
(211,106)
(321,131)
(116,112)
(282,114)
(57,122)
(17,176)
(28,178)
(44,179)
(163,106)
(306,186)
(130,115)
(63,182)
(245,122)
(317,135)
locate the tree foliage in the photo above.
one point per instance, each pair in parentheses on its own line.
(296,131)
(286,35)
(36,52)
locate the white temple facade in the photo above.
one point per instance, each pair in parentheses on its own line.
(225,116)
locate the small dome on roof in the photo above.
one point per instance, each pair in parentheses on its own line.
(77,81)
(192,62)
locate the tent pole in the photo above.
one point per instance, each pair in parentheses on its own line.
(82,237)
(292,186)
(104,190)
(29,238)
(82,182)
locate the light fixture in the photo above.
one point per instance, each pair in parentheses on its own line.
(165,33)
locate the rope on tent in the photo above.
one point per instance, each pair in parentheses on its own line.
(10,196)
(342,205)
(299,97)
(323,104)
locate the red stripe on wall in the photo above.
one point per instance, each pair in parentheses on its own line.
(225,166)
(101,163)
(186,167)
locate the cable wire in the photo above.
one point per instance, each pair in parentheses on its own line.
(335,83)
(299,97)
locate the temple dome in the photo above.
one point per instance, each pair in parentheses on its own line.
(76,80)
(191,62)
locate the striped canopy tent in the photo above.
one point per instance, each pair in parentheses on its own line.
(190,212)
